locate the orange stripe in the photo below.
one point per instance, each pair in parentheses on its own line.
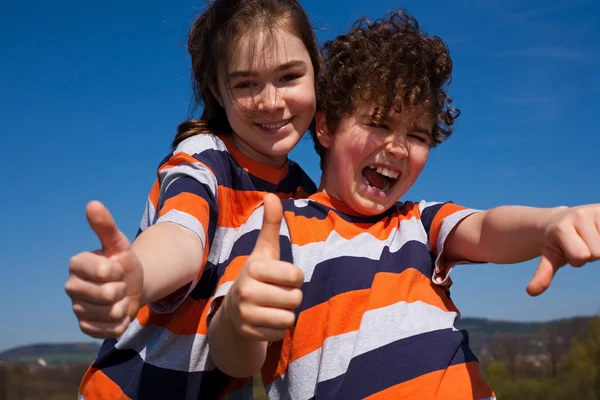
(233,270)
(436,225)
(182,158)
(343,313)
(457,382)
(189,203)
(97,386)
(236,206)
(320,229)
(188,319)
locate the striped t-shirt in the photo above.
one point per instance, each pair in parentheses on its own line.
(211,188)
(376,320)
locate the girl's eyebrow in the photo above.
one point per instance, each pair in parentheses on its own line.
(282,67)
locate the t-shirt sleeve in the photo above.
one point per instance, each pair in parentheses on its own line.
(185,193)
(439,219)
(242,248)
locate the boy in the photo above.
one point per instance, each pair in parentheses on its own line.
(347,296)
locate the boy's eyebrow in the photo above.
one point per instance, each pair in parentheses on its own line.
(282,67)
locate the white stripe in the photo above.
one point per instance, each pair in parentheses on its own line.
(186,220)
(149,217)
(441,273)
(363,245)
(426,204)
(199,143)
(196,171)
(159,347)
(378,328)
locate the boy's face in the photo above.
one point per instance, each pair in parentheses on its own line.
(370,167)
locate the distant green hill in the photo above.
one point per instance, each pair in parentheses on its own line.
(481,333)
(58,353)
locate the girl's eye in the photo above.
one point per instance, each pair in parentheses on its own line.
(244,85)
(289,78)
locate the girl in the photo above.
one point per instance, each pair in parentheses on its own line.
(254,64)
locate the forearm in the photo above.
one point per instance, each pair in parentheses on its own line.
(171,257)
(502,235)
(233,354)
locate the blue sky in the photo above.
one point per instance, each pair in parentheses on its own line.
(91,94)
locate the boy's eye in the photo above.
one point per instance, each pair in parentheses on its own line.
(289,77)
(420,137)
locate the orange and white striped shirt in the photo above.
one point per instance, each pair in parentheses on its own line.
(376,320)
(211,188)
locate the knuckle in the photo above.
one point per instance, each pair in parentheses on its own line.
(74,264)
(69,288)
(245,314)
(118,312)
(109,293)
(297,297)
(246,330)
(289,319)
(103,270)
(245,293)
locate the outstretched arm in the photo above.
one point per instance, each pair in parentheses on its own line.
(512,234)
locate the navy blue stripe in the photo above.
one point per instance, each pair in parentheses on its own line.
(428,215)
(231,175)
(320,211)
(139,380)
(243,246)
(344,274)
(187,184)
(398,362)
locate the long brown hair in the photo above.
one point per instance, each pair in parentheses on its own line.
(212,36)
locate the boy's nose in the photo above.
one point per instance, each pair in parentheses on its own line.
(397,147)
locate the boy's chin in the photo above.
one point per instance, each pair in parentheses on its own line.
(370,207)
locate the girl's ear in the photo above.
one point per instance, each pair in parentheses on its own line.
(324,135)
(215,92)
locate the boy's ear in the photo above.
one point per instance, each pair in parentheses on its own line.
(323,133)
(215,92)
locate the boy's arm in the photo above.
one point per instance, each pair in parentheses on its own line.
(502,235)
(512,234)
(255,299)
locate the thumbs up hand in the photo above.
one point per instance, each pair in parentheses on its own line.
(572,237)
(260,304)
(105,286)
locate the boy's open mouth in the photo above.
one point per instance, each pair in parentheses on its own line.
(380,178)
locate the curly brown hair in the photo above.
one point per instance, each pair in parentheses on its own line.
(392,63)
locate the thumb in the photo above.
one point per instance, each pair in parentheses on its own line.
(267,244)
(102,223)
(549,263)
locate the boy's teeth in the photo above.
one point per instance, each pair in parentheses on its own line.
(386,172)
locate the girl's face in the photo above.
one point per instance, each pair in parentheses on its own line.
(271,98)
